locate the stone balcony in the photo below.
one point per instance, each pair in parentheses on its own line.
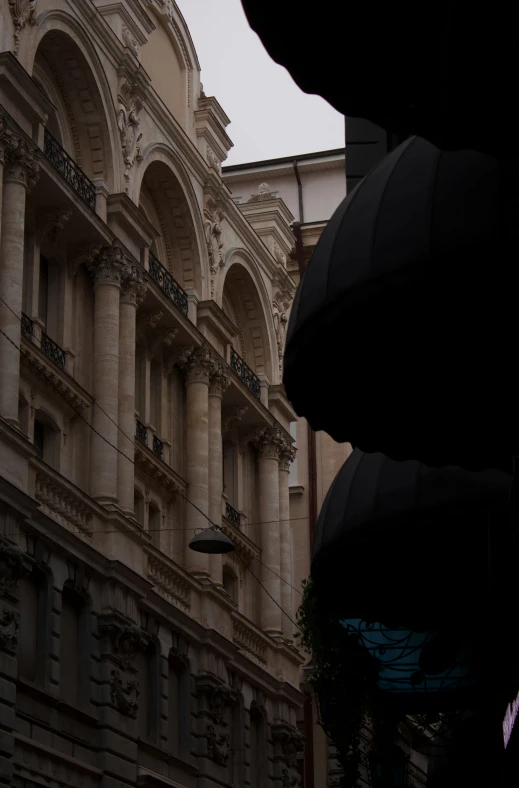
(170,580)
(61,500)
(250,639)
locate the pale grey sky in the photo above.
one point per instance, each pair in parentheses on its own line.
(270,116)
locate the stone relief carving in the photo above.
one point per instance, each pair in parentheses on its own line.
(279,254)
(218,745)
(52,225)
(231,417)
(212,159)
(213,218)
(289,741)
(23,13)
(147,321)
(9,626)
(263,193)
(290,780)
(128,122)
(220,697)
(126,640)
(165,338)
(130,42)
(280,327)
(87,255)
(133,285)
(11,568)
(124,694)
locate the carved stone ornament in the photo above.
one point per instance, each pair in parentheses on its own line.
(220,379)
(290,742)
(9,627)
(218,745)
(51,226)
(290,779)
(279,254)
(220,697)
(86,255)
(128,122)
(8,140)
(197,364)
(280,327)
(262,194)
(23,13)
(147,321)
(164,338)
(212,159)
(126,640)
(133,286)
(130,42)
(11,567)
(231,417)
(108,267)
(213,235)
(269,441)
(124,694)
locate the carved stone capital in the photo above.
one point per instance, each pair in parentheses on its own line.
(287,455)
(21,165)
(220,379)
(8,140)
(197,364)
(109,266)
(133,286)
(269,442)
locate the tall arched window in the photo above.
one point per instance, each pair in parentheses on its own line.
(179,708)
(33,633)
(74,648)
(147,665)
(257,749)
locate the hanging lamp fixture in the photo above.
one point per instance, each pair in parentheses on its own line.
(211,541)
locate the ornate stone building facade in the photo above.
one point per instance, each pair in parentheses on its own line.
(140,401)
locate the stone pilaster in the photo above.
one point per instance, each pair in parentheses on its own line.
(269,443)
(133,290)
(287,455)
(198,365)
(107,272)
(219,381)
(20,173)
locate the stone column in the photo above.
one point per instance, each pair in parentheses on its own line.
(285,542)
(133,290)
(219,381)
(20,173)
(107,272)
(268,442)
(198,365)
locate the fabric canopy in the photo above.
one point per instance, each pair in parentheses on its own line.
(443,70)
(402,333)
(407,545)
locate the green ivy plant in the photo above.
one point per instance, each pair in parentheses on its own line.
(344,674)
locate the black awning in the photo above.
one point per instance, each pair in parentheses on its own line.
(407,545)
(403,330)
(443,70)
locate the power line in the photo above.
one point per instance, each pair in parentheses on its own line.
(213,525)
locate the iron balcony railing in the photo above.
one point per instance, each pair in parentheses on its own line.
(27,329)
(232,515)
(166,282)
(245,373)
(141,433)
(52,350)
(158,447)
(68,168)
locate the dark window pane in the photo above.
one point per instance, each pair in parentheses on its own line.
(43,292)
(39,438)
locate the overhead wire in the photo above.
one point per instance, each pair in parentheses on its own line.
(132,461)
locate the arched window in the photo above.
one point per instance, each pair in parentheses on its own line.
(33,633)
(147,665)
(74,648)
(230,584)
(47,439)
(138,505)
(179,708)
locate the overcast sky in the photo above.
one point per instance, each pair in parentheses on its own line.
(269,115)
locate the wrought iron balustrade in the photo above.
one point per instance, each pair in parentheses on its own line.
(68,168)
(167,284)
(27,329)
(245,373)
(141,433)
(52,350)
(232,515)
(158,447)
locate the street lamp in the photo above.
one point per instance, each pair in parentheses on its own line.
(211,541)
